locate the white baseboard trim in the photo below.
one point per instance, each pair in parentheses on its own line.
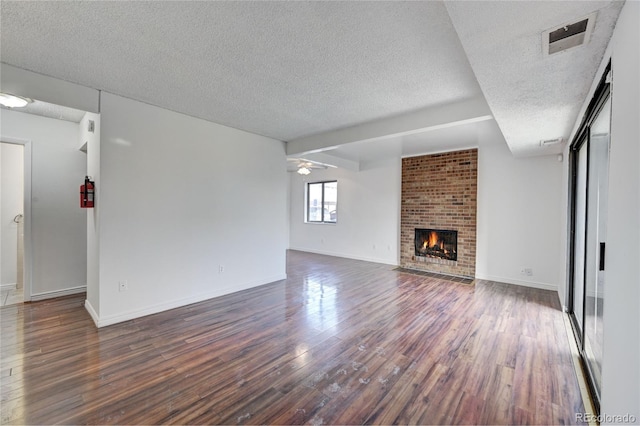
(8,286)
(58,293)
(92,312)
(161,307)
(532,284)
(347,256)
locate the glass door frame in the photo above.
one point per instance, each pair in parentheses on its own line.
(582,137)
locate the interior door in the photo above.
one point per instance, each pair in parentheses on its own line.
(11,223)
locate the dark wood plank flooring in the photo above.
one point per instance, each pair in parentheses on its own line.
(339,342)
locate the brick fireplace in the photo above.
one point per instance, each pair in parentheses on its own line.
(439,200)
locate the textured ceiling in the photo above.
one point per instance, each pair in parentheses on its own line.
(293,69)
(280,69)
(448,139)
(533,97)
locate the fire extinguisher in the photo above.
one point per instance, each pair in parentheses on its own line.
(87,193)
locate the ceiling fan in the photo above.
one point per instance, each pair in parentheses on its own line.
(303,166)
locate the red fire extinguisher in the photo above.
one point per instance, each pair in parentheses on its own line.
(87,193)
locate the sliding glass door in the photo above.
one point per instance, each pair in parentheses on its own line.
(597,196)
(580,233)
(590,163)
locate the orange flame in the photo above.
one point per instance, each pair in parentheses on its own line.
(433,239)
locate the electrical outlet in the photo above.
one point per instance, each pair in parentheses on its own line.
(220,269)
(527,272)
(123,285)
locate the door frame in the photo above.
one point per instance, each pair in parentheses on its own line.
(28,258)
(602,94)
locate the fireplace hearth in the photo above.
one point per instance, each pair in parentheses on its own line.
(436,243)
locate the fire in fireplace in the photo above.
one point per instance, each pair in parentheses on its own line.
(438,243)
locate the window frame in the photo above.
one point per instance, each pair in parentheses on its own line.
(322,203)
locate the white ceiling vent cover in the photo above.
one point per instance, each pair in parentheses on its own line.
(566,36)
(549,142)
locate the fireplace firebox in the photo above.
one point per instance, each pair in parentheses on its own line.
(438,243)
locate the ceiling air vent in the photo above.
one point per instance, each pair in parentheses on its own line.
(569,35)
(549,142)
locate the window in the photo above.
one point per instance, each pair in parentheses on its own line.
(322,202)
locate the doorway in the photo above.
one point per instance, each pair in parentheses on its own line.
(590,187)
(12,220)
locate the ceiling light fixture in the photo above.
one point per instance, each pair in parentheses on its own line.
(303,171)
(13,101)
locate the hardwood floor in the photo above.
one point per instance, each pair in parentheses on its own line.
(339,342)
(11,297)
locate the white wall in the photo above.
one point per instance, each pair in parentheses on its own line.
(58,225)
(178,197)
(621,353)
(91,143)
(519,204)
(368,226)
(517,200)
(11,190)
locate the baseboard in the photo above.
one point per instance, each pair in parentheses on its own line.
(346,256)
(532,284)
(8,286)
(161,307)
(92,312)
(58,293)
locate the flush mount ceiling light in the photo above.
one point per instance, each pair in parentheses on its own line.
(13,101)
(304,171)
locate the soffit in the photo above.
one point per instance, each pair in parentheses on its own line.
(533,97)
